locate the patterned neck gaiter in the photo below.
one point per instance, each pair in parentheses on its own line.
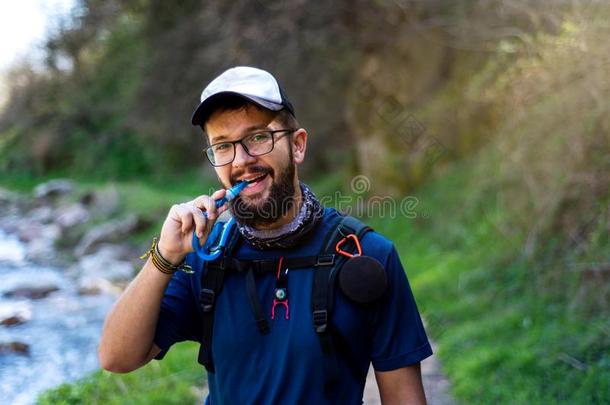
(290,234)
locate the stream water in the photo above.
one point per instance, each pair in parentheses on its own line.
(62,332)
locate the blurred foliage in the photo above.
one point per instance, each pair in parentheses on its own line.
(553,155)
(122,77)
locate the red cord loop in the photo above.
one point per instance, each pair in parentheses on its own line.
(284,300)
(342,241)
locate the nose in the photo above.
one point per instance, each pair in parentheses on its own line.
(241,157)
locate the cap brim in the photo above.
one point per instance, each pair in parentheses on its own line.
(203,111)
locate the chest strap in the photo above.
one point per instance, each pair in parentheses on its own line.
(261,266)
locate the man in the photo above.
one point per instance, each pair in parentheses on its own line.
(266,346)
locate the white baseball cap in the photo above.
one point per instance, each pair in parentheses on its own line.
(255,85)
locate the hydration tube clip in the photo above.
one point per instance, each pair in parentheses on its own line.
(215,252)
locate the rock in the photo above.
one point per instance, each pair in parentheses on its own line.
(97,285)
(50,232)
(7,197)
(15,347)
(40,241)
(41,251)
(53,188)
(72,215)
(114,252)
(114,231)
(103,270)
(12,321)
(42,215)
(103,202)
(88,198)
(106,263)
(9,221)
(32,292)
(15,313)
(29,231)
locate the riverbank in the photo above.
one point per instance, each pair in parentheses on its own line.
(45,339)
(67,249)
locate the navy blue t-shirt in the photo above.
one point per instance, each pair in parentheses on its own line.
(287,365)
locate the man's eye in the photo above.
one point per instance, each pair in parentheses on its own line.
(260,137)
(223,147)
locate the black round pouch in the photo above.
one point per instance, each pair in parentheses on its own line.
(363,279)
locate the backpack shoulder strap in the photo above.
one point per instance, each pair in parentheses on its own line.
(354,225)
(323,293)
(212,280)
(348,225)
(323,296)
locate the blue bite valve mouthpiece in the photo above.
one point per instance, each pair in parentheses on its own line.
(215,252)
(232,193)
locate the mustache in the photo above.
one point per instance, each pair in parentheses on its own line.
(251,170)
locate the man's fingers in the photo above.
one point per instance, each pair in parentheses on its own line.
(200,220)
(200,213)
(203,221)
(218,194)
(206,203)
(185,216)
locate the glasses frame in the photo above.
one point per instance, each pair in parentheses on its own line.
(241,141)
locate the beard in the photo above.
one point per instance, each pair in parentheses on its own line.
(275,206)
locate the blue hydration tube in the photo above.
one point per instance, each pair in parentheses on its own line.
(214,252)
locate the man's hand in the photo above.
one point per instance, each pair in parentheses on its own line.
(183,219)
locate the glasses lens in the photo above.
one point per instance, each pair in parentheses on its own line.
(221,153)
(259,143)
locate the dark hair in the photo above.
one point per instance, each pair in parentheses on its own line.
(231,102)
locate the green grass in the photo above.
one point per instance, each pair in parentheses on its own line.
(504,337)
(177,379)
(24,183)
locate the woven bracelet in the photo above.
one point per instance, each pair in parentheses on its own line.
(161,263)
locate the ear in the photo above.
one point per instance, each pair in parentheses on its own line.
(299,145)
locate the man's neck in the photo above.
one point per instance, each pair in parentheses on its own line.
(291,214)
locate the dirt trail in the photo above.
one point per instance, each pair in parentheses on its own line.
(436,384)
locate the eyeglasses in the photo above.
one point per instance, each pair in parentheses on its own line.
(256,144)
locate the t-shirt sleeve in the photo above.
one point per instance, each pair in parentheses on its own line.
(398,335)
(179,319)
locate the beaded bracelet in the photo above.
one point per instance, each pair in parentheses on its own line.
(161,263)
